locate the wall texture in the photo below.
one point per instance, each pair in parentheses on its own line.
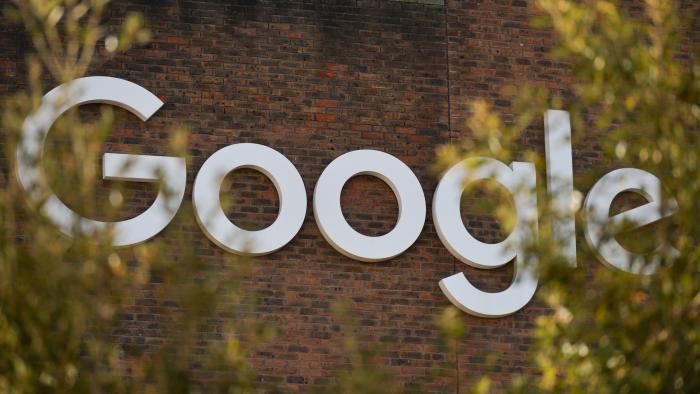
(316,79)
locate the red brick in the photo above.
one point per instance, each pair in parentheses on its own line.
(325,118)
(326,103)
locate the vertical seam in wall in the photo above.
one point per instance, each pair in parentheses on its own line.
(449,137)
(19,57)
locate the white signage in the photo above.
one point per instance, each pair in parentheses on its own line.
(332,223)
(518,178)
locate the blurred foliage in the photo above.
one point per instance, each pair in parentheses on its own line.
(63,301)
(617,332)
(635,91)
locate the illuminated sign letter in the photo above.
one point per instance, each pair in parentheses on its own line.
(136,168)
(211,217)
(519,179)
(600,228)
(329,214)
(560,180)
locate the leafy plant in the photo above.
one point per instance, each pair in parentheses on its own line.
(62,301)
(634,78)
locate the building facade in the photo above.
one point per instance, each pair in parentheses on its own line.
(314,80)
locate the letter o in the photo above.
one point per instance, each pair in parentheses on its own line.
(211,217)
(329,214)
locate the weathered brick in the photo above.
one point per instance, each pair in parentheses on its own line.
(315,80)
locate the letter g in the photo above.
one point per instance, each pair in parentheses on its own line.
(116,166)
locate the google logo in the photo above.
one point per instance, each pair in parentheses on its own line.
(518,178)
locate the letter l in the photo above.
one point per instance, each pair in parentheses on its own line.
(560,180)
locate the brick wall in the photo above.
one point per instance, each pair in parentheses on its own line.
(314,80)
